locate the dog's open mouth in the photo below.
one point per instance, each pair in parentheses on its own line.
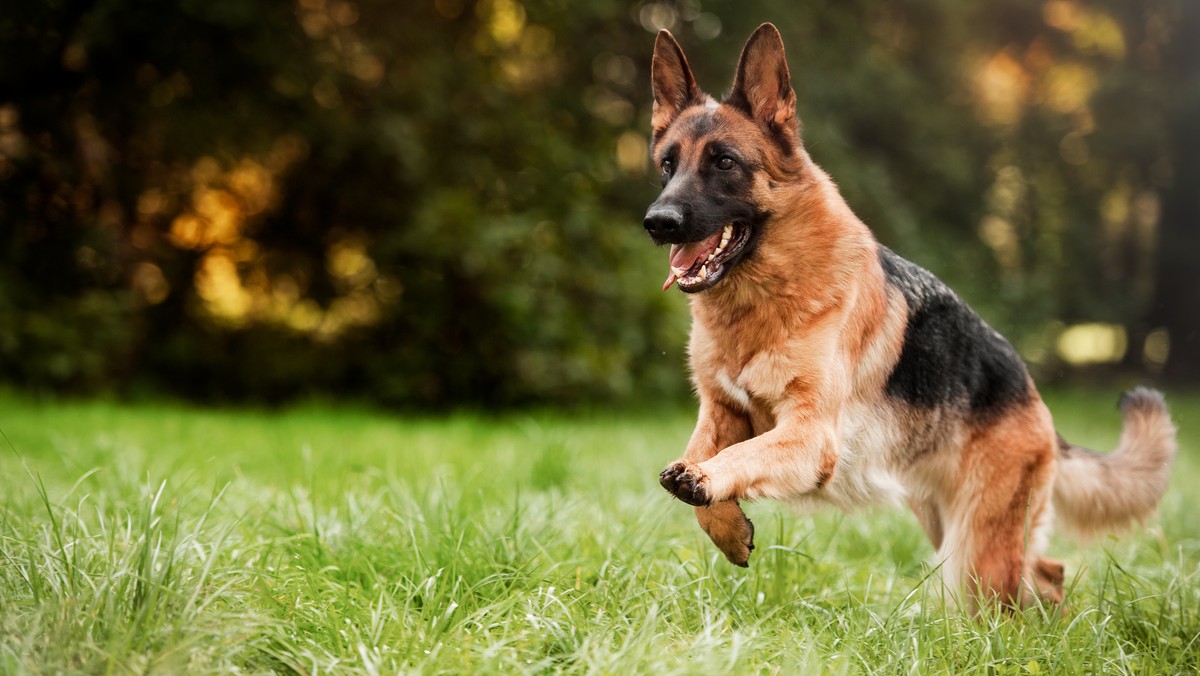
(696,266)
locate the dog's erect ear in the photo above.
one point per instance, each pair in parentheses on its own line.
(672,82)
(762,87)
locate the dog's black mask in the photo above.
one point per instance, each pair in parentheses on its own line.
(705,210)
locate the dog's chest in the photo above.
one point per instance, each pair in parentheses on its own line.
(763,376)
(757,387)
(760,360)
(761,415)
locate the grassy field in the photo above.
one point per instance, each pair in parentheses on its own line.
(316,540)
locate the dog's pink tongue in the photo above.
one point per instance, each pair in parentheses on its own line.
(684,256)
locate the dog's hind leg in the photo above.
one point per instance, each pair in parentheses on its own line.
(988,556)
(1002,515)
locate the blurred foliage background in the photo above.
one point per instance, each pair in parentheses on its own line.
(434,203)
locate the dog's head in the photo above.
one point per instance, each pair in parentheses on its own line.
(718,160)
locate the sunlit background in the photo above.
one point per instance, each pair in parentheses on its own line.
(439,203)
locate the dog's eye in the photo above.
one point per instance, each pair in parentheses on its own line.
(725,163)
(667,166)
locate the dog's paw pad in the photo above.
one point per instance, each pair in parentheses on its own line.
(685,482)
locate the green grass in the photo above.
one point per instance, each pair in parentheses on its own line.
(139,538)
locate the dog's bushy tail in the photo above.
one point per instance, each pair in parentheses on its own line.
(1097,492)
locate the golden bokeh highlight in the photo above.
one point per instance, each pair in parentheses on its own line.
(1001,89)
(631,152)
(149,283)
(523,54)
(1157,348)
(1093,343)
(232,280)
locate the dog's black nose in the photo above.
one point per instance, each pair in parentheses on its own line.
(663,222)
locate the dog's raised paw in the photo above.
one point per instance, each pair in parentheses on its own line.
(685,482)
(738,551)
(730,530)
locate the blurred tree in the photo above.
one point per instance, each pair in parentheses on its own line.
(438,202)
(1176,301)
(263,199)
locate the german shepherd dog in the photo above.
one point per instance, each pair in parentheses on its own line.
(832,371)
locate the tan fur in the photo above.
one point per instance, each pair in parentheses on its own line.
(1099,493)
(790,356)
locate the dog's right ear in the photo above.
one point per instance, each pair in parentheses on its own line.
(672,82)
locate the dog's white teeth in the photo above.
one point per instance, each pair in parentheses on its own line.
(704,271)
(679,272)
(725,235)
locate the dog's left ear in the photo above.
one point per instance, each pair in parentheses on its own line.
(762,87)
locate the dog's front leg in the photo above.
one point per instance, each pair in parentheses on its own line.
(717,428)
(798,456)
